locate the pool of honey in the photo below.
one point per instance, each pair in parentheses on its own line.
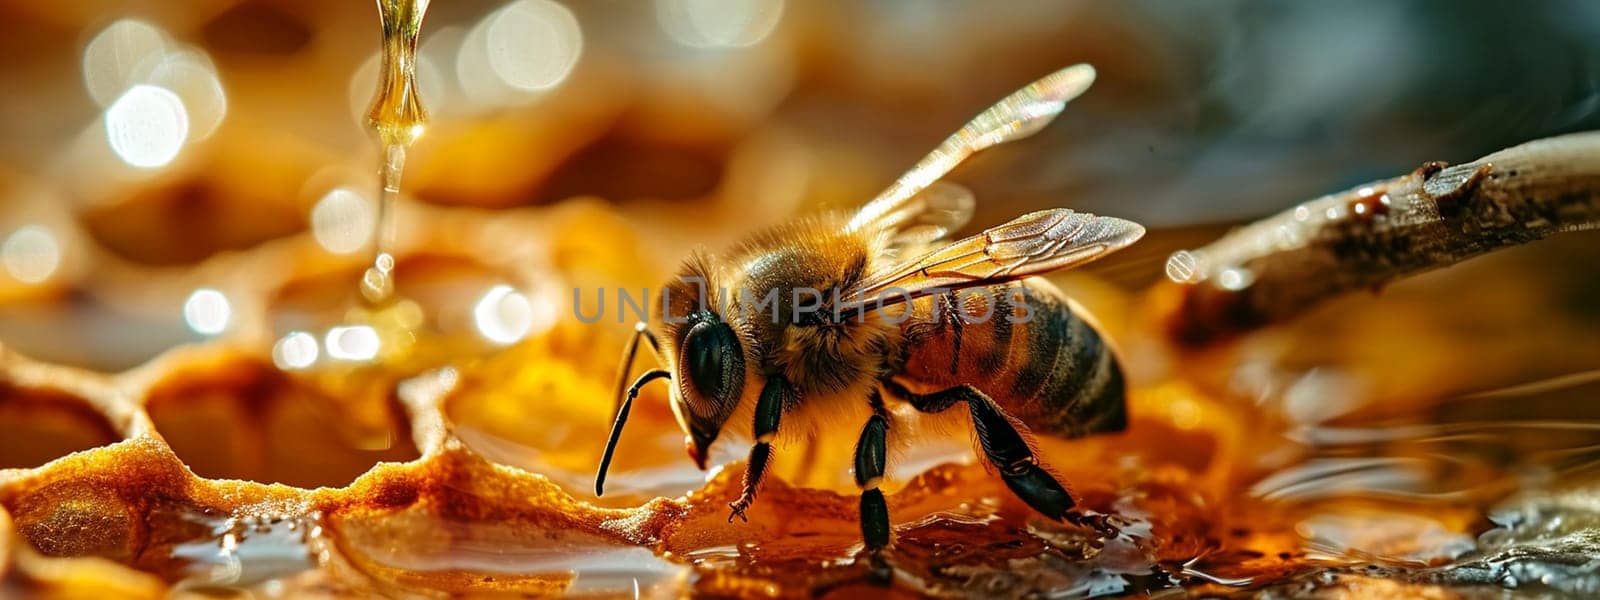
(1366,464)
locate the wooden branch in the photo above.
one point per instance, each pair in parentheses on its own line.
(1365,237)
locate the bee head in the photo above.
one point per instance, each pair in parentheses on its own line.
(710,376)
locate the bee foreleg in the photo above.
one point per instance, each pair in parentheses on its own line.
(769,408)
(1003,445)
(871,456)
(623,407)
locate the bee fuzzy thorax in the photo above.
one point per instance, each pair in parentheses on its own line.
(785,283)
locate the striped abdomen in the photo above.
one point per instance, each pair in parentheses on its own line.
(1021,345)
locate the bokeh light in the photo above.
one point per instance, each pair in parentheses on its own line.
(718,23)
(31,254)
(1184,267)
(191,75)
(297,350)
(147,126)
(130,53)
(121,55)
(533,44)
(527,46)
(207,311)
(353,342)
(506,316)
(1235,279)
(343,221)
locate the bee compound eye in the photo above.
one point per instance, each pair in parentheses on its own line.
(714,362)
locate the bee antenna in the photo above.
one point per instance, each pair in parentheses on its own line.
(622,419)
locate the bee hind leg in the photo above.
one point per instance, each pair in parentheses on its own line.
(870,457)
(1003,445)
(1008,450)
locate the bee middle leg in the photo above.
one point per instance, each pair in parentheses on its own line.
(1003,445)
(871,458)
(640,331)
(769,409)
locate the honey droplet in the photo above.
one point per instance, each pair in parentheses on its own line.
(377,284)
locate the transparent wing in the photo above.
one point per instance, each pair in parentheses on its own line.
(1032,244)
(1019,115)
(931,216)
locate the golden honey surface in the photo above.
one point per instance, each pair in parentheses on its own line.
(435,433)
(442,471)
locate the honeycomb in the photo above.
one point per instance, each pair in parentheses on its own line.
(1350,454)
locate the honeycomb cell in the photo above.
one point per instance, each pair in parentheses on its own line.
(43,425)
(77,518)
(224,199)
(246,420)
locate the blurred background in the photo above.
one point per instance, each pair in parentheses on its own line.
(190,186)
(144,144)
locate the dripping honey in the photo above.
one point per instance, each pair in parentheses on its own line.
(397,117)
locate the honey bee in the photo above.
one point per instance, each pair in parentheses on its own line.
(852,315)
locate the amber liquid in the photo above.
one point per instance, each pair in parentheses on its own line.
(398,118)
